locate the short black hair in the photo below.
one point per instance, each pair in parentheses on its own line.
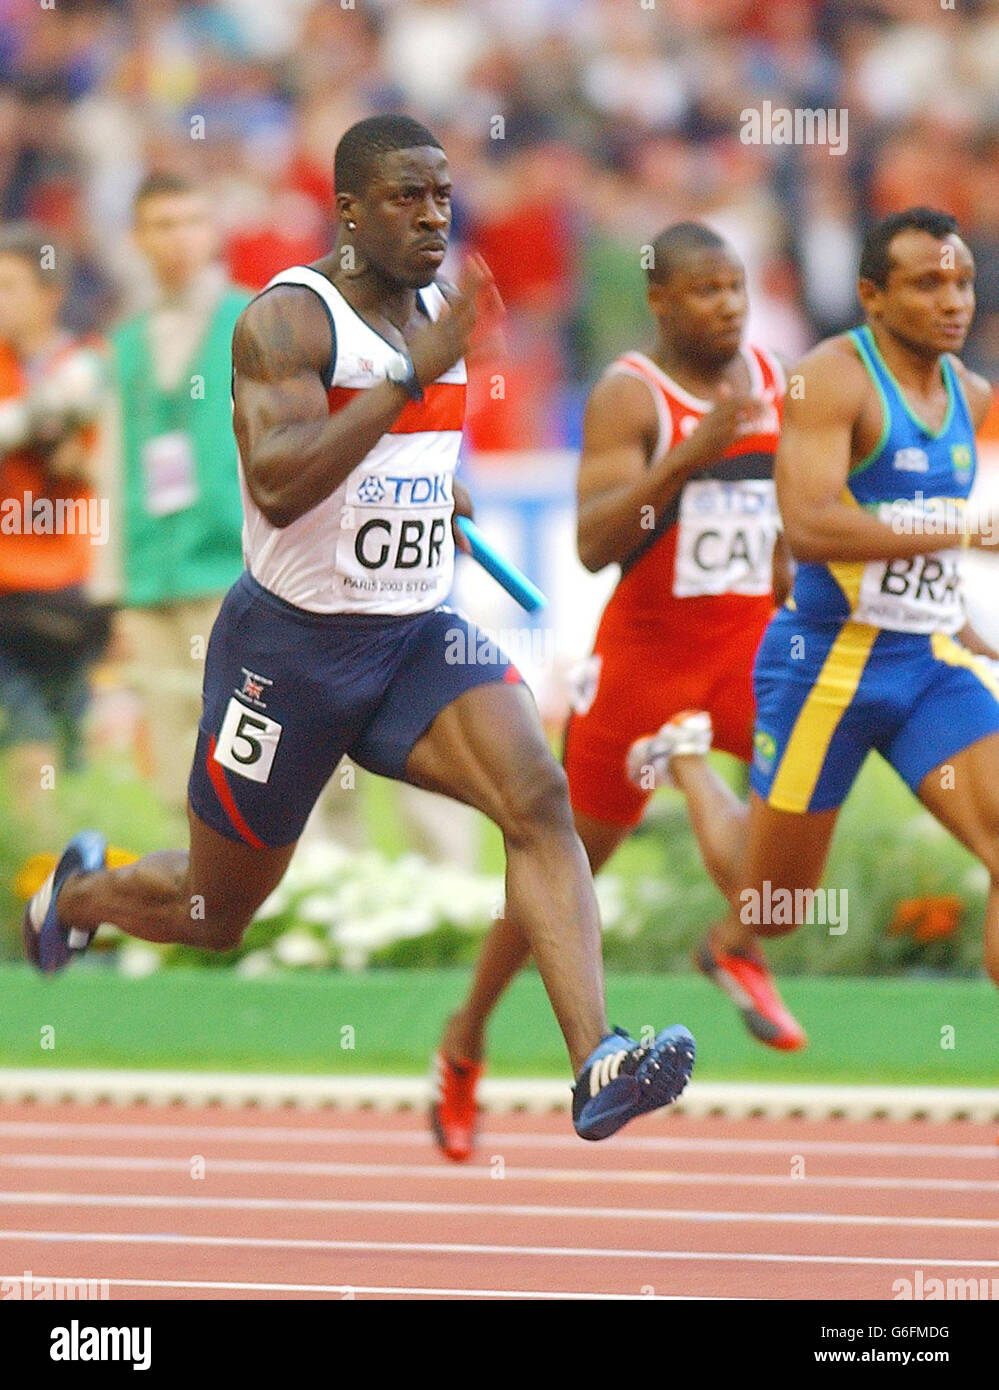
(674,244)
(39,249)
(875,258)
(158,184)
(364,143)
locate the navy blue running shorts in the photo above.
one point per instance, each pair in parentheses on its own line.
(288,692)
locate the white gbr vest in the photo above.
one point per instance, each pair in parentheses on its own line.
(381,543)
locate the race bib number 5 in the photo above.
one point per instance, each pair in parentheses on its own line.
(247,742)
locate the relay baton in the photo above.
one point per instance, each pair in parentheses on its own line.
(513,581)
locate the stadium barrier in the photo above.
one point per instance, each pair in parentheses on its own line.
(731,1100)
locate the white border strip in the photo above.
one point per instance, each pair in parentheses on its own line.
(733,1100)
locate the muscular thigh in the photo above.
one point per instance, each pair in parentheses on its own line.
(285,693)
(228,880)
(486,742)
(963,794)
(455,718)
(788,849)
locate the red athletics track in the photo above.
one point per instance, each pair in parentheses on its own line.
(315,1204)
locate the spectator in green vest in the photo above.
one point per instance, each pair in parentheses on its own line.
(179,511)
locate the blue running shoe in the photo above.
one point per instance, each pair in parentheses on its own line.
(620,1080)
(48,944)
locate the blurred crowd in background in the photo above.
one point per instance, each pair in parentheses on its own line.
(617,117)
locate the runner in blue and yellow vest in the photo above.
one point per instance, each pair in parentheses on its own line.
(873,649)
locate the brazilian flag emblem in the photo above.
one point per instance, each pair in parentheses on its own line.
(765,746)
(960,457)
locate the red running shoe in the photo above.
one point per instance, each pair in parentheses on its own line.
(750,986)
(453,1110)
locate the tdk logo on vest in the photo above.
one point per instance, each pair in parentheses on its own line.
(744,497)
(911,461)
(405,492)
(371,489)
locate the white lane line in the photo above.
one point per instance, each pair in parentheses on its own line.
(441,1172)
(348,1290)
(564,1214)
(560,1252)
(419,1138)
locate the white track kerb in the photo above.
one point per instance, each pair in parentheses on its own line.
(733,1100)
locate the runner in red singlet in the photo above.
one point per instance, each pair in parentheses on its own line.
(675,486)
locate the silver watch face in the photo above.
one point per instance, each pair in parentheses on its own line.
(399,370)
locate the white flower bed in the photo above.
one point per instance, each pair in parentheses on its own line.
(336,907)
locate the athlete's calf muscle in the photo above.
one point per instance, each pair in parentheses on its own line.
(206,897)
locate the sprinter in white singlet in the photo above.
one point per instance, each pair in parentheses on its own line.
(348,401)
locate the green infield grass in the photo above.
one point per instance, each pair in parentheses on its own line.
(878,1031)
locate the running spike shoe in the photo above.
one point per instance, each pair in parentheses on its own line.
(620,1080)
(750,986)
(687,732)
(453,1110)
(48,944)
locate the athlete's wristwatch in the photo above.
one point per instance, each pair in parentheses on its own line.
(403,373)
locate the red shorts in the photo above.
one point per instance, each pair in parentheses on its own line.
(640,684)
